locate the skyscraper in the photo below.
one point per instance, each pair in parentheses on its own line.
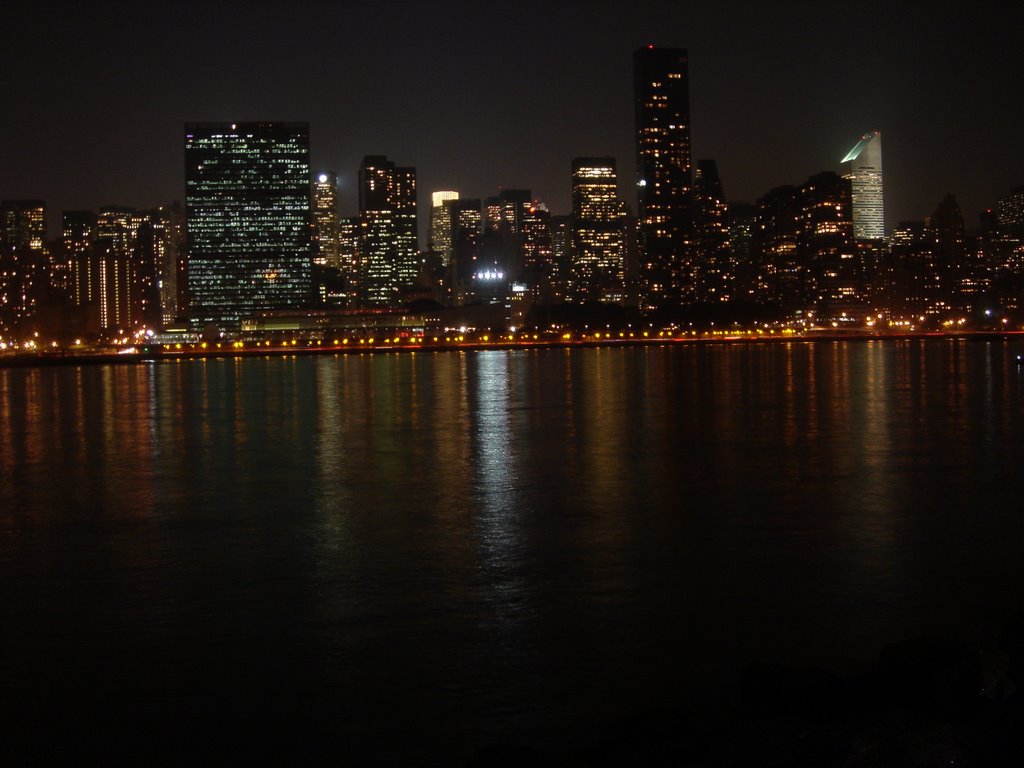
(24,264)
(348,258)
(599,236)
(466,221)
(388,253)
(325,219)
(538,266)
(662,101)
(441,223)
(947,232)
(169,231)
(248,219)
(862,166)
(124,265)
(716,269)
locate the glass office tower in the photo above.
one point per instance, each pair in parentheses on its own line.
(248,220)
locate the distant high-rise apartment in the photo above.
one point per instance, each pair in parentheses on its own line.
(247,200)
(388,253)
(599,234)
(862,167)
(664,185)
(325,219)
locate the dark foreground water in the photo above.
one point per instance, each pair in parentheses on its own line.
(398,555)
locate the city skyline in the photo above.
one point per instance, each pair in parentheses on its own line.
(758,105)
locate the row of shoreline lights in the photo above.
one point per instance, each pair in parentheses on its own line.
(485,339)
(144,336)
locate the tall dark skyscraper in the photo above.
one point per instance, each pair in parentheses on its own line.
(661,89)
(716,268)
(248,219)
(466,221)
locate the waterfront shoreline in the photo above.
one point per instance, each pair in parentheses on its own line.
(228,350)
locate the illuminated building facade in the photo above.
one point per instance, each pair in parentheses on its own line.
(123,268)
(169,246)
(467,220)
(781,274)
(715,268)
(126,266)
(325,220)
(247,201)
(116,235)
(538,256)
(742,223)
(502,244)
(24,264)
(828,251)
(1010,211)
(561,257)
(505,211)
(348,259)
(951,268)
(910,278)
(78,240)
(388,253)
(862,167)
(664,185)
(599,236)
(441,223)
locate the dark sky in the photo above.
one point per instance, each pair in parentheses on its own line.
(481,95)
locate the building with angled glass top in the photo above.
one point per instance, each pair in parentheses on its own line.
(247,201)
(862,166)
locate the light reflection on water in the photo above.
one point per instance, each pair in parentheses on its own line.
(492,543)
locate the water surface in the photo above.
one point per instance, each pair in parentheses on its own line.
(425,553)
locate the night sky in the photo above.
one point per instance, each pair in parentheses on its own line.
(479,96)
